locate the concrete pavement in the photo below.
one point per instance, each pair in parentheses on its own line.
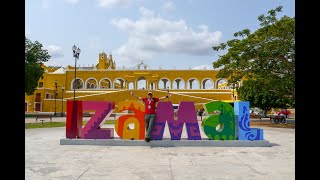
(45,158)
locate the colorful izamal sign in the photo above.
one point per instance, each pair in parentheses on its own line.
(224,122)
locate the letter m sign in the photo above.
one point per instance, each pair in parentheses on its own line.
(186,114)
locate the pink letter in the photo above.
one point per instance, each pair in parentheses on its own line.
(92,129)
(186,114)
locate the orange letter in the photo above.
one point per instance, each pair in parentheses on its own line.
(137,119)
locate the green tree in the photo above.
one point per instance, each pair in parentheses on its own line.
(34,57)
(261,94)
(265,58)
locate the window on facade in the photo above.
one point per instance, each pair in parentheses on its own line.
(38,96)
(40,84)
(78,84)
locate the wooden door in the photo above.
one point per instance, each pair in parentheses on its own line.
(38,107)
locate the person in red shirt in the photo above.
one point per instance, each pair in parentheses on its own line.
(150,111)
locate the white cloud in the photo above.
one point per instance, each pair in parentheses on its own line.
(204,66)
(151,35)
(129,57)
(52,63)
(72,1)
(113,3)
(146,12)
(55,51)
(168,5)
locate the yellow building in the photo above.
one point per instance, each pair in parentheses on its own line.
(105,82)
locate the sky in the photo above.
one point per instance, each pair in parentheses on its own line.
(166,34)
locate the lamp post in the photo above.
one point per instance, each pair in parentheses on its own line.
(55,97)
(76,52)
(62,114)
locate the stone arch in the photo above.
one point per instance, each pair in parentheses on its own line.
(178,83)
(218,82)
(105,83)
(164,83)
(140,84)
(79,84)
(204,84)
(193,83)
(120,84)
(91,82)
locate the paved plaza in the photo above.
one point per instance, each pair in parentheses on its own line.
(45,158)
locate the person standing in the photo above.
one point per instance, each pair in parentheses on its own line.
(150,111)
(201,113)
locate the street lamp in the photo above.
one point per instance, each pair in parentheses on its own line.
(62,114)
(76,52)
(55,97)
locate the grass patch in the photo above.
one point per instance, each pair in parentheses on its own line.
(57,124)
(44,125)
(269,124)
(110,122)
(29,115)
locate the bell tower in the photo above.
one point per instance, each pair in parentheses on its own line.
(102,61)
(105,62)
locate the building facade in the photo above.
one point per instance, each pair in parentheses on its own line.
(105,82)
